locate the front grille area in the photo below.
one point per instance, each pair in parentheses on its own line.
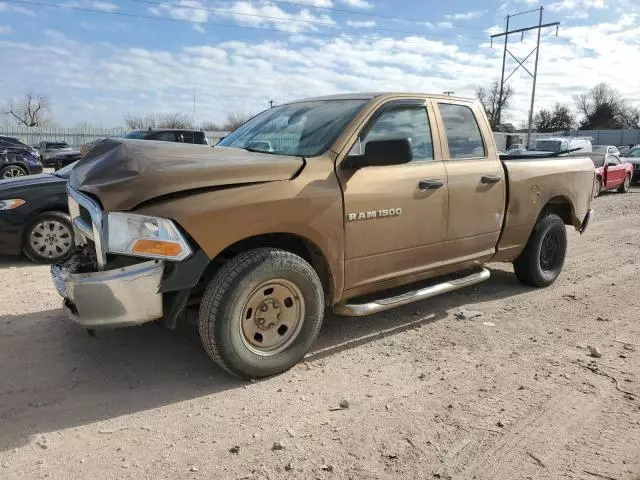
(87,220)
(85,215)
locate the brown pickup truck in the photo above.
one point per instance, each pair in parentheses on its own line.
(355,203)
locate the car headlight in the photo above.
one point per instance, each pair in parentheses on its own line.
(146,236)
(11,203)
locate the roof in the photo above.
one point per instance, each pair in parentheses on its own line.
(372,95)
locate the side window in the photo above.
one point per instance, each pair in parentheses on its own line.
(613,159)
(164,137)
(463,133)
(198,137)
(399,123)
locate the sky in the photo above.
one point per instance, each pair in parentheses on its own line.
(100,60)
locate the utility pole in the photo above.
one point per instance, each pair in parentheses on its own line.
(533,75)
(271,103)
(193,125)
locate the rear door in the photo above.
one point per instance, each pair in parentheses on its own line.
(477,185)
(394,223)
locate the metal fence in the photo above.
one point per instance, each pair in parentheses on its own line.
(598,137)
(75,137)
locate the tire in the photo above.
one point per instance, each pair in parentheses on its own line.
(626,185)
(598,187)
(12,171)
(232,311)
(48,237)
(542,259)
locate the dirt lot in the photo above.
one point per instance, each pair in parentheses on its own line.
(512,394)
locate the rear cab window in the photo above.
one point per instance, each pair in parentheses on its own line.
(462,132)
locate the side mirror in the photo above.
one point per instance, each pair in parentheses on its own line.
(380,153)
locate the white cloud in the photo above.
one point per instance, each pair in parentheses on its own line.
(265,14)
(104,6)
(4,7)
(467,15)
(575,4)
(361,23)
(445,24)
(241,75)
(358,3)
(5,29)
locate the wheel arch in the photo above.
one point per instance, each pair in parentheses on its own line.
(290,242)
(563,208)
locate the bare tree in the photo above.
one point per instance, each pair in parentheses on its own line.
(604,108)
(211,126)
(174,120)
(30,111)
(142,122)
(493,105)
(560,118)
(234,120)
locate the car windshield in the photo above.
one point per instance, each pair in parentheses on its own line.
(65,172)
(546,146)
(304,129)
(598,161)
(634,152)
(135,135)
(600,149)
(58,145)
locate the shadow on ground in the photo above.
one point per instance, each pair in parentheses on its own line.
(55,376)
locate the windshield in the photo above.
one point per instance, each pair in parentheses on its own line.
(65,172)
(546,146)
(303,129)
(634,152)
(600,149)
(58,145)
(135,135)
(598,161)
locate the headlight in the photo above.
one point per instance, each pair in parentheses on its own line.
(145,236)
(11,204)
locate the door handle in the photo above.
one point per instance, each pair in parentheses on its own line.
(430,184)
(490,179)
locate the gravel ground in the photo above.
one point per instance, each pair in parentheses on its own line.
(511,394)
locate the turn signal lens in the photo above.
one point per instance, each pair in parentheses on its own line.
(157,247)
(11,204)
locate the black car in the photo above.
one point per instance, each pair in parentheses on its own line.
(34,218)
(17,159)
(170,135)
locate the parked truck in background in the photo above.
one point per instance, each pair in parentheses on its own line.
(319,204)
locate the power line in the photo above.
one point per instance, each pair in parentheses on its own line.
(226,25)
(275,19)
(370,14)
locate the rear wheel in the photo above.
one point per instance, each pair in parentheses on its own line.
(48,237)
(13,171)
(261,312)
(542,259)
(624,188)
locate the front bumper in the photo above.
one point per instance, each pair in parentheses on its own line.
(111,298)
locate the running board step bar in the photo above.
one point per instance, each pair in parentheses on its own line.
(362,309)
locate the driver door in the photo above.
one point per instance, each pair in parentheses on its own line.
(615,171)
(395,215)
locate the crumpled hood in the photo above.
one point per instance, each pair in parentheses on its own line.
(123,173)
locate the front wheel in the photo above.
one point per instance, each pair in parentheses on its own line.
(48,237)
(542,259)
(598,187)
(261,312)
(624,188)
(12,171)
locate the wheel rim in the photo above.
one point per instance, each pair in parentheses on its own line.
(627,183)
(272,317)
(12,172)
(598,187)
(549,252)
(50,239)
